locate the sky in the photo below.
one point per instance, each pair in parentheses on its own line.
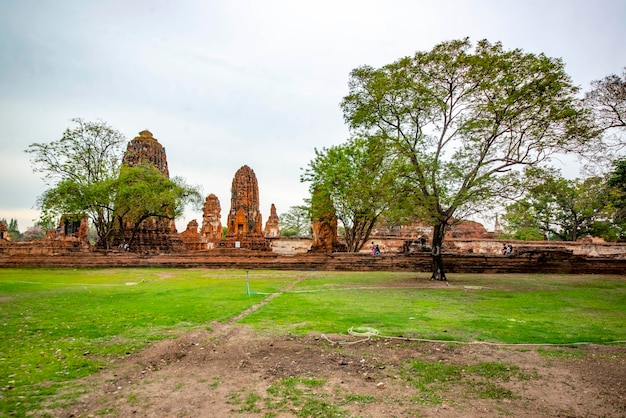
(222,84)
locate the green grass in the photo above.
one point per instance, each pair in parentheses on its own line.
(294,395)
(481,379)
(503,308)
(58,325)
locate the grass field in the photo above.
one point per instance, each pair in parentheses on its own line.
(60,325)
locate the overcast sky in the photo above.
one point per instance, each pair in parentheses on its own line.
(222,84)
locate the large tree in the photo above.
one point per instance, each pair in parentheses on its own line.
(296,221)
(464,118)
(80,169)
(143,193)
(616,196)
(361,181)
(557,208)
(607,100)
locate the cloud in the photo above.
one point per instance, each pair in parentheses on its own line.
(223,84)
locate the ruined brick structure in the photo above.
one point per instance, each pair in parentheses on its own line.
(71,228)
(324,226)
(155,234)
(325,238)
(145,147)
(68,227)
(4,231)
(467,229)
(272,229)
(191,234)
(211,231)
(244,218)
(417,237)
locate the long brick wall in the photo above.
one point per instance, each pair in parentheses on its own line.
(537,261)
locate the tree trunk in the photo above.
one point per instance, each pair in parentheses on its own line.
(439,273)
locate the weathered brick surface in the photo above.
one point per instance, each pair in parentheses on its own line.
(244,223)
(211,225)
(145,147)
(560,262)
(272,229)
(155,235)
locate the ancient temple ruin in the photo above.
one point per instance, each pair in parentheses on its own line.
(4,231)
(211,231)
(154,234)
(272,228)
(191,237)
(324,225)
(244,218)
(71,228)
(145,147)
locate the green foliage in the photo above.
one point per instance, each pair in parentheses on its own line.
(60,325)
(88,153)
(432,378)
(83,169)
(465,119)
(46,225)
(361,181)
(295,395)
(296,222)
(80,169)
(13,229)
(12,225)
(557,208)
(142,192)
(617,201)
(510,308)
(571,353)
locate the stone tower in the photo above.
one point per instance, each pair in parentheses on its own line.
(211,231)
(155,234)
(272,229)
(324,225)
(244,219)
(145,147)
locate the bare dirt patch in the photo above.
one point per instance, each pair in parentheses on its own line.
(233,371)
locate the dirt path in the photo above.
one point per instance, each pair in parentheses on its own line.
(239,373)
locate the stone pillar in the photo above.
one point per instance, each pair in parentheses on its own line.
(211,231)
(272,228)
(324,225)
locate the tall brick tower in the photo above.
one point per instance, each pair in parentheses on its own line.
(154,234)
(245,227)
